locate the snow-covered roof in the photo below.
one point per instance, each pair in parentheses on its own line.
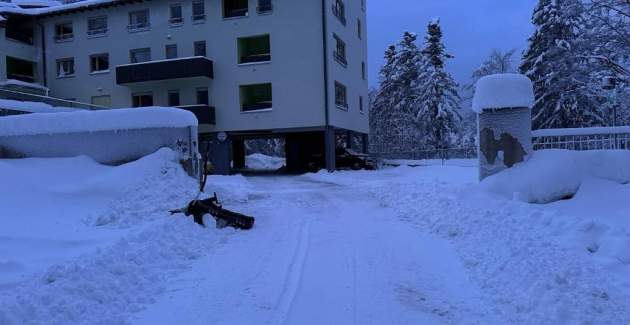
(52,7)
(507,90)
(93,121)
(36,3)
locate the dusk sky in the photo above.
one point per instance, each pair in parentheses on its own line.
(472,28)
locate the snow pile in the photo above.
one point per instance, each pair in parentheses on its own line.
(20,83)
(552,175)
(229,189)
(92,121)
(33,107)
(58,265)
(258,161)
(503,91)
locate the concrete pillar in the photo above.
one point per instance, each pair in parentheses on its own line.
(329,148)
(221,154)
(503,103)
(365,142)
(238,153)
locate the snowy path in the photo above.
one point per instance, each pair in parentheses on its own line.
(321,254)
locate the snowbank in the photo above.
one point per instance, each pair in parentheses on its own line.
(551,175)
(502,91)
(92,121)
(33,107)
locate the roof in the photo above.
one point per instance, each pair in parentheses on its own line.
(52,7)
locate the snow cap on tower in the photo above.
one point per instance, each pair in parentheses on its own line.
(509,90)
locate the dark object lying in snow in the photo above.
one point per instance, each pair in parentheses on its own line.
(223,217)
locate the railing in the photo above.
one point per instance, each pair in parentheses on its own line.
(236,12)
(97,31)
(21,96)
(597,138)
(388,152)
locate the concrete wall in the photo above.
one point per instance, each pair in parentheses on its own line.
(350,76)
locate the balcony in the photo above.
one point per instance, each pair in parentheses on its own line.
(190,67)
(205,114)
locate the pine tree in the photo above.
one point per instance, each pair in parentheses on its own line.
(438,102)
(382,111)
(554,61)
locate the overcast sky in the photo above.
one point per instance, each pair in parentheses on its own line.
(472,28)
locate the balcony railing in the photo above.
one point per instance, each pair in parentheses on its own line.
(190,67)
(176,20)
(205,114)
(97,31)
(21,77)
(254,58)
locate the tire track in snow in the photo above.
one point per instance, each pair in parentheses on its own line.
(294,276)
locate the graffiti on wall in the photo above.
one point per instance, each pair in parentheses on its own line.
(490,147)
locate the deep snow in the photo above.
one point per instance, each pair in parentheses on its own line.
(89,244)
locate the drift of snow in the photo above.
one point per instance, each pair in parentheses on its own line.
(551,175)
(258,161)
(33,107)
(507,90)
(92,121)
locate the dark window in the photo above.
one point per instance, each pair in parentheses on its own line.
(339,10)
(202,96)
(340,51)
(22,70)
(254,49)
(200,48)
(341,99)
(65,67)
(99,62)
(173,98)
(171,51)
(175,12)
(139,20)
(361,104)
(97,25)
(235,8)
(264,6)
(198,10)
(142,99)
(19,31)
(140,55)
(359,29)
(363,71)
(256,97)
(64,32)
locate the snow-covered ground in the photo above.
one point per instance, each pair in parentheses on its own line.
(83,243)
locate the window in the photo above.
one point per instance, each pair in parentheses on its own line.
(340,95)
(339,10)
(19,69)
(104,100)
(65,67)
(235,8)
(97,26)
(361,104)
(171,51)
(99,62)
(254,49)
(139,20)
(198,10)
(176,17)
(140,55)
(202,96)
(200,48)
(142,99)
(173,98)
(363,71)
(340,51)
(264,6)
(64,32)
(256,97)
(359,29)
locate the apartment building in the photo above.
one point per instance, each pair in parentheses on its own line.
(247,68)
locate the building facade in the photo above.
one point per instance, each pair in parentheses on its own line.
(246,68)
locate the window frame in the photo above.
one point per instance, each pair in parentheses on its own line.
(199,17)
(228,15)
(205,48)
(139,27)
(179,98)
(206,100)
(175,21)
(59,64)
(339,11)
(340,46)
(140,95)
(99,31)
(170,47)
(341,104)
(65,37)
(132,51)
(264,9)
(361,105)
(266,57)
(265,107)
(94,56)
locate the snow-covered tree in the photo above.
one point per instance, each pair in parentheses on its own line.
(554,61)
(438,101)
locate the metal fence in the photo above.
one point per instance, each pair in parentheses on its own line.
(599,138)
(421,154)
